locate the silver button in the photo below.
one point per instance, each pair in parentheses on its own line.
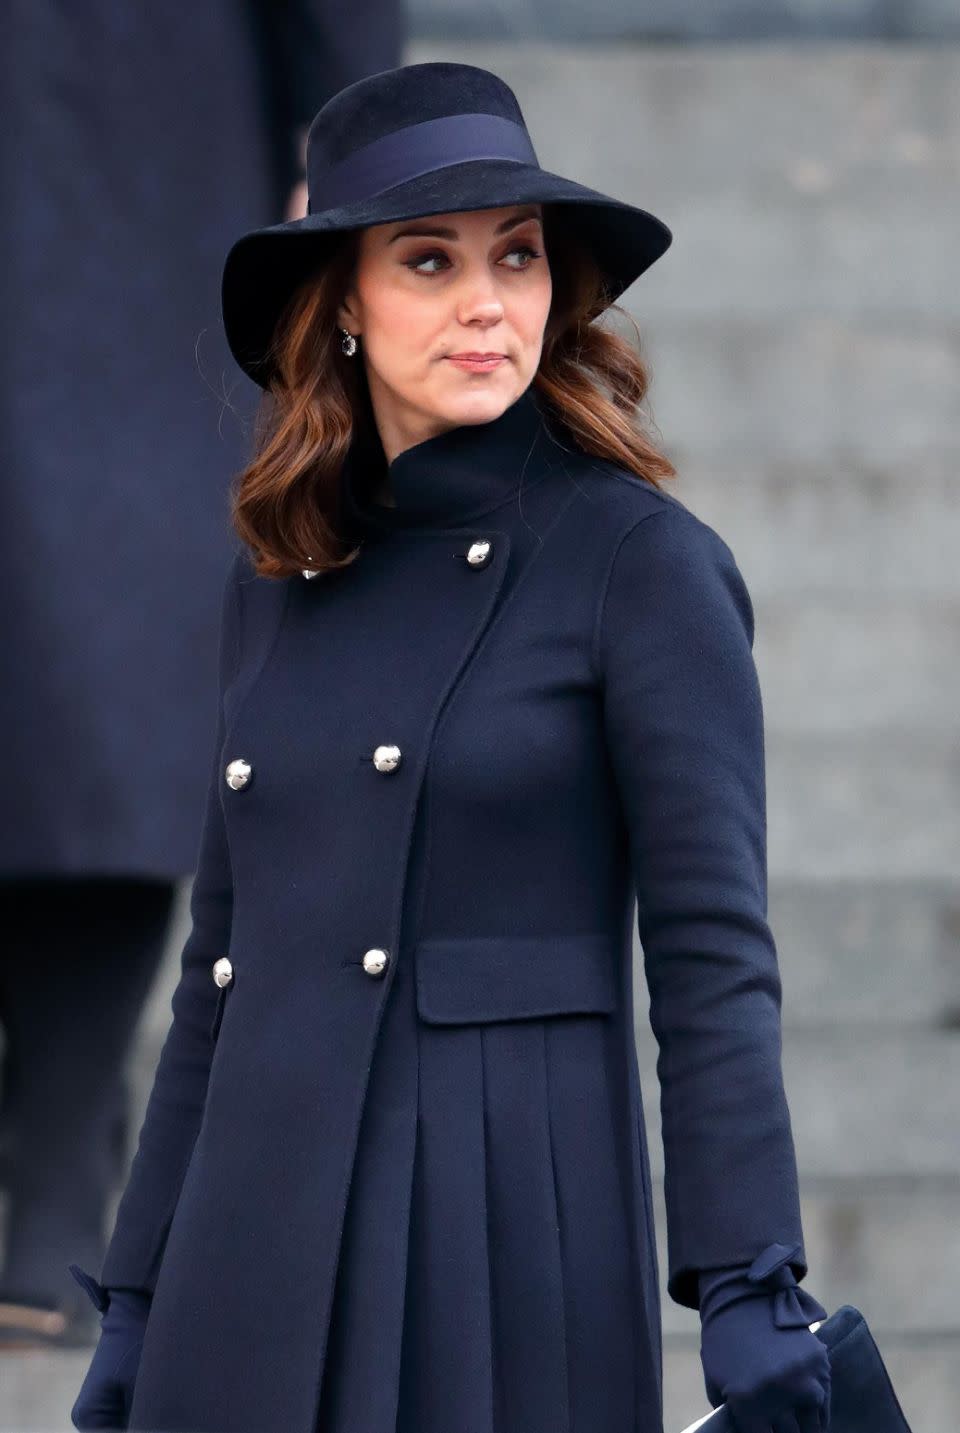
(386,758)
(222,972)
(478,553)
(238,774)
(375,961)
(309,572)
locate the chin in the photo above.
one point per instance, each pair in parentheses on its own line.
(481,406)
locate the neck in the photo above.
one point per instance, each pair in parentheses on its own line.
(398,427)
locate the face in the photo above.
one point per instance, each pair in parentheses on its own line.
(432,300)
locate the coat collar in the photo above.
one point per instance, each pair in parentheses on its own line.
(449,479)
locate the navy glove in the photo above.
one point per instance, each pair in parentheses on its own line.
(107,1391)
(758,1354)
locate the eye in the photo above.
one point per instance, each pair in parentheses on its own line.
(524,249)
(421,259)
(417,263)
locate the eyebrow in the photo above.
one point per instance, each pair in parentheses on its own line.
(440,233)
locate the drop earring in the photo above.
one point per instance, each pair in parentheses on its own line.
(348,343)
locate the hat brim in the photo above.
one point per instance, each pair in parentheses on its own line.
(264,268)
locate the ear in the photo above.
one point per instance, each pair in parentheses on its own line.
(347,316)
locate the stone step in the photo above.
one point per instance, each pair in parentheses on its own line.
(868,953)
(890,1247)
(856,665)
(832,524)
(882,806)
(878,1104)
(863,1104)
(820,245)
(816,386)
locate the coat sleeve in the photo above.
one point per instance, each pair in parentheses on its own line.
(684,725)
(176,1102)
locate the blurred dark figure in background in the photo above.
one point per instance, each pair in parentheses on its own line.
(131,156)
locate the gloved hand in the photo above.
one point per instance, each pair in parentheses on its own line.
(758,1354)
(107,1391)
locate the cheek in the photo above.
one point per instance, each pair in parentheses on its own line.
(396,316)
(531,308)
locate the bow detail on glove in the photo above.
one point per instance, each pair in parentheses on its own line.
(793,1307)
(758,1354)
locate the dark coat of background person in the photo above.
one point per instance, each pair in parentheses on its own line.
(136,142)
(420,1199)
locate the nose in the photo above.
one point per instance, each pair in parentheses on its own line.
(480,304)
(482,315)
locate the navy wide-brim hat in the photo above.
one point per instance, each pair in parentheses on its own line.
(431,138)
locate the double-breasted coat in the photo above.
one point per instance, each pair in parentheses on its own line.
(393,1173)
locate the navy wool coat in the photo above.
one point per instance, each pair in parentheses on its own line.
(393,1176)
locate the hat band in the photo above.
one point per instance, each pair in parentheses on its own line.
(420,149)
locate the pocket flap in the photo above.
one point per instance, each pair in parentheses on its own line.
(464,979)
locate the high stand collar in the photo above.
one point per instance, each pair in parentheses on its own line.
(459,474)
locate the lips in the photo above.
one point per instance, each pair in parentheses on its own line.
(478,362)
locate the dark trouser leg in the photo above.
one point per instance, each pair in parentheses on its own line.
(77,960)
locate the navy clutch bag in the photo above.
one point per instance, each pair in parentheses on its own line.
(862,1399)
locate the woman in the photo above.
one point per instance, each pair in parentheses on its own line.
(484,685)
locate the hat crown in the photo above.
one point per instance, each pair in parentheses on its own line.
(379,105)
(399,124)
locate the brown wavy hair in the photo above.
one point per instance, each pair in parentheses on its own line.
(284,504)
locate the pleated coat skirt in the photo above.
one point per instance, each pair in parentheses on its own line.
(393,1174)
